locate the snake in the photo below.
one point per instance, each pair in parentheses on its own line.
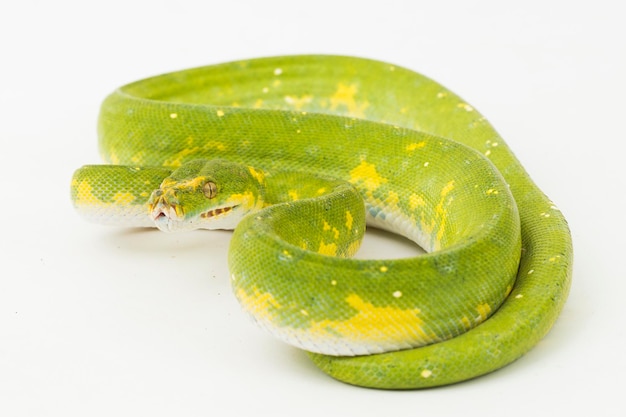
(298,155)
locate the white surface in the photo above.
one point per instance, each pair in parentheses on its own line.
(98,321)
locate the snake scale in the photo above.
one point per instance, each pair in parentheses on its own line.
(297,154)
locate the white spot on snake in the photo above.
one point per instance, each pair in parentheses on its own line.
(519,296)
(173,115)
(278,71)
(531,271)
(304,312)
(397,294)
(426,164)
(265,89)
(465,107)
(333,282)
(220,113)
(426,373)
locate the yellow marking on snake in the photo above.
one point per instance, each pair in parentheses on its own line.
(293,194)
(483,310)
(366,174)
(84,194)
(349,220)
(328,249)
(258,303)
(413,146)
(257,174)
(367,324)
(123,198)
(246,199)
(327,227)
(447,188)
(220,146)
(177,159)
(442,213)
(416,201)
(345,96)
(392,199)
(192,183)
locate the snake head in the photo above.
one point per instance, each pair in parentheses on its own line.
(206,194)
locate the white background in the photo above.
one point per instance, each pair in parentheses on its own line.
(99,321)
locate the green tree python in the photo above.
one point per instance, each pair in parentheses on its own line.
(297,154)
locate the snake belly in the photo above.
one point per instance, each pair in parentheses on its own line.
(427,166)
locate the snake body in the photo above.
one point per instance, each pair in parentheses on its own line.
(297,154)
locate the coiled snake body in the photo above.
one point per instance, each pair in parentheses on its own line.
(296,154)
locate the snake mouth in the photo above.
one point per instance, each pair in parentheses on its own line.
(217,212)
(162,211)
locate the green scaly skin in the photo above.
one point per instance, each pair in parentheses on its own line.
(297,153)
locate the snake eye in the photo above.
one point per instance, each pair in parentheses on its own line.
(209,189)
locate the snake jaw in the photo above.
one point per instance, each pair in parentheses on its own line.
(165,214)
(169,216)
(163,210)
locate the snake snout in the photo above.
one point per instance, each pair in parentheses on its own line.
(163,208)
(159,215)
(166,216)
(170,211)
